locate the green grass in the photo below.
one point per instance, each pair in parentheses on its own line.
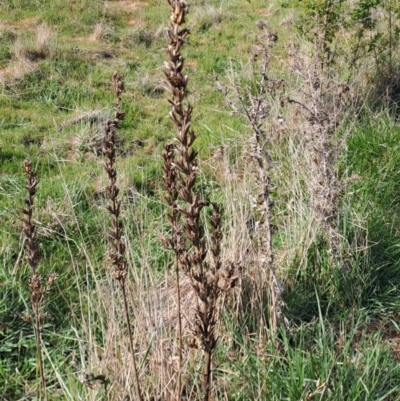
(316,360)
(372,156)
(326,354)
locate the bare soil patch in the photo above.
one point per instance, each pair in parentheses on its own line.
(25,23)
(123,5)
(15,70)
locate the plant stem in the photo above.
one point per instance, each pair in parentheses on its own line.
(39,352)
(180,340)
(207,376)
(128,322)
(117,253)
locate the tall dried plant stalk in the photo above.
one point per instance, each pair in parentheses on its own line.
(38,289)
(209,279)
(117,253)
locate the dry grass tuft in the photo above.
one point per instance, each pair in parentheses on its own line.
(100,32)
(15,70)
(28,49)
(35,46)
(208,16)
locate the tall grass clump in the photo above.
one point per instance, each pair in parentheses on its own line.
(199,261)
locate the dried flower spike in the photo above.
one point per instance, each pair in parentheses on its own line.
(37,289)
(209,278)
(117,253)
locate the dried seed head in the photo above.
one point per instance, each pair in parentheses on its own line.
(29,228)
(37,289)
(207,278)
(26,316)
(117,254)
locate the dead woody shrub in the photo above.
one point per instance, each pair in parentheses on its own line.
(295,121)
(253,104)
(202,264)
(319,105)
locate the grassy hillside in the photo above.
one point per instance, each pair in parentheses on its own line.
(296,117)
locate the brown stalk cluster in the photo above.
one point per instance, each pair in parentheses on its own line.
(209,278)
(38,289)
(117,253)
